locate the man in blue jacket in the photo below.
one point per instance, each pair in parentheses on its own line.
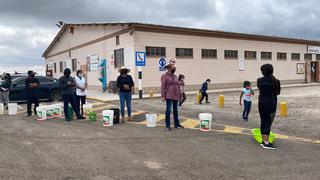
(204,90)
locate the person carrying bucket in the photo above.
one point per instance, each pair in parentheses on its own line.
(171,93)
(269,89)
(32,85)
(183,94)
(204,90)
(67,85)
(125,84)
(246,93)
(4,89)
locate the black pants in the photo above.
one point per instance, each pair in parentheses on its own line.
(204,95)
(81,100)
(70,98)
(267,113)
(183,99)
(32,100)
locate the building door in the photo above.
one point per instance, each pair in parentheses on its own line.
(314,71)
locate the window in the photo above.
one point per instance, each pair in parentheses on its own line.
(74,64)
(184,52)
(47,67)
(230,54)
(318,57)
(307,57)
(266,55)
(118,58)
(295,56)
(300,68)
(117,40)
(282,56)
(209,53)
(55,67)
(156,51)
(250,55)
(61,66)
(44,80)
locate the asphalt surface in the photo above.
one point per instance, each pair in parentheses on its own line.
(55,149)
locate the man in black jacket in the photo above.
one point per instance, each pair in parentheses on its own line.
(67,85)
(4,89)
(32,85)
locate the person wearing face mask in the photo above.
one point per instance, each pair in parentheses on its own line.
(81,90)
(171,94)
(204,90)
(32,85)
(67,86)
(125,84)
(4,89)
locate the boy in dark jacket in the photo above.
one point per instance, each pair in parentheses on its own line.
(67,85)
(32,85)
(204,90)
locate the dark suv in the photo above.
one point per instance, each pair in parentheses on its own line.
(49,89)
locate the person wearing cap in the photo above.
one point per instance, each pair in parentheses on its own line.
(125,84)
(67,86)
(171,94)
(32,85)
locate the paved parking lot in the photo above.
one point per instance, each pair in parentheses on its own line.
(55,149)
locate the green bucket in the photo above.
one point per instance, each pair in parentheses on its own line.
(70,112)
(92,116)
(257,135)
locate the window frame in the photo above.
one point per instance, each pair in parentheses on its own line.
(74,64)
(116,63)
(295,59)
(230,51)
(282,59)
(214,55)
(317,57)
(178,51)
(250,58)
(117,40)
(307,59)
(266,58)
(55,67)
(162,51)
(61,66)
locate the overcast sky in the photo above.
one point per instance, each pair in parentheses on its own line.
(28,26)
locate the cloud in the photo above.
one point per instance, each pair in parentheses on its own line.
(27,27)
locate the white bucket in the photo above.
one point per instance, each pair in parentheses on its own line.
(107,117)
(151,120)
(57,110)
(205,120)
(87,108)
(13,108)
(1,108)
(41,113)
(50,111)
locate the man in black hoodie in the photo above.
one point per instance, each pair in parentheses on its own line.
(67,85)
(4,89)
(32,85)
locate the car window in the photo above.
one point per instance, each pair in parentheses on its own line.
(20,82)
(45,80)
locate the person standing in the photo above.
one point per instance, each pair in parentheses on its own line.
(4,89)
(246,93)
(171,93)
(81,90)
(32,85)
(269,89)
(125,84)
(67,85)
(182,89)
(204,90)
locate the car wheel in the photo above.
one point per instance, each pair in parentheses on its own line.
(55,95)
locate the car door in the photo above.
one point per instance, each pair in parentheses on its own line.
(18,91)
(46,84)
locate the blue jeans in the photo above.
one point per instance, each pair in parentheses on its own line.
(171,103)
(247,108)
(125,98)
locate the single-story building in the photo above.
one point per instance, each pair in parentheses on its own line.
(226,58)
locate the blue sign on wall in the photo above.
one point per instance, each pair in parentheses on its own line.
(162,64)
(140,59)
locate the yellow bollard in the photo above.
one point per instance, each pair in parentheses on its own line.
(283,109)
(151,94)
(221,101)
(198,97)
